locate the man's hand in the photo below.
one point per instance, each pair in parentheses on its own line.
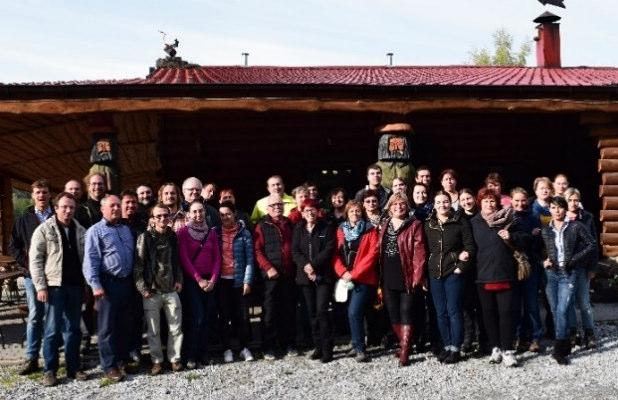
(272,273)
(177,287)
(464,256)
(98,293)
(41,295)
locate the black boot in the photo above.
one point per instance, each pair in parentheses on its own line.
(590,341)
(562,348)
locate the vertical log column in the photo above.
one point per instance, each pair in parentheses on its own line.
(6,213)
(608,191)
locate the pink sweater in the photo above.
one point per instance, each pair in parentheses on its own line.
(208,261)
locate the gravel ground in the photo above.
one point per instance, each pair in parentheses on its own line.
(591,375)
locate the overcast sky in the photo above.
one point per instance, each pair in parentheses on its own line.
(52,40)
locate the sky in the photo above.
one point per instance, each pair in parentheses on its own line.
(51,40)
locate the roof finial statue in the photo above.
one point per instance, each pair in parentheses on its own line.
(171,61)
(169,48)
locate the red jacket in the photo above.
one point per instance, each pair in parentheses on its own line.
(365,268)
(412,250)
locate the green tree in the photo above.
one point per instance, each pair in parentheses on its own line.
(503,51)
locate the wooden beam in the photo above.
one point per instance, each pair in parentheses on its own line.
(608,166)
(398,106)
(607,142)
(610,251)
(610,203)
(608,190)
(609,238)
(609,153)
(6,213)
(610,227)
(596,118)
(608,215)
(606,130)
(609,178)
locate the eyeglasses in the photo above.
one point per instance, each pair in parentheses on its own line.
(275,205)
(161,216)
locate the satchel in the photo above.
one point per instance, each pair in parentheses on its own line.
(524,269)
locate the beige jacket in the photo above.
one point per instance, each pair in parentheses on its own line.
(46,253)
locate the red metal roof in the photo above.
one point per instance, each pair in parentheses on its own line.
(371,76)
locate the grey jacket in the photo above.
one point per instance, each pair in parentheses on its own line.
(46,253)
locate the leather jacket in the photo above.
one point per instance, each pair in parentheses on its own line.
(157,266)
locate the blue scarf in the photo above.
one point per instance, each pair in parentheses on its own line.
(353,233)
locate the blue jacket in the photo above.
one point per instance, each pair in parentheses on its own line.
(242,248)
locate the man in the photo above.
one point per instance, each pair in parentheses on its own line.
(423,175)
(56,255)
(274,185)
(108,269)
(191,189)
(400,186)
(158,278)
(74,187)
(169,195)
(19,247)
(145,196)
(374,182)
(227,195)
(95,185)
(273,251)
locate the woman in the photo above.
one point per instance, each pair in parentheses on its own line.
(492,228)
(227,195)
(198,247)
(300,194)
(402,255)
(528,326)
(421,206)
(493,181)
(236,278)
(540,207)
(371,203)
(467,202)
(336,214)
(313,244)
(568,245)
(448,180)
(356,259)
(450,243)
(582,288)
(560,185)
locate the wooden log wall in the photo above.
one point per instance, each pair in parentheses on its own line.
(6,213)
(607,133)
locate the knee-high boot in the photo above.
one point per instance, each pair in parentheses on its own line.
(406,339)
(397,330)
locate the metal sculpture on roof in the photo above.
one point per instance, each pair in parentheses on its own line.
(171,61)
(557,3)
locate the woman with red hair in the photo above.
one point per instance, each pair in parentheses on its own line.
(313,245)
(494,236)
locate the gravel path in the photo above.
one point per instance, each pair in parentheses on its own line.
(592,375)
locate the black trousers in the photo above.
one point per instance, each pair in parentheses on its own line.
(317,298)
(233,314)
(498,316)
(279,313)
(472,314)
(400,306)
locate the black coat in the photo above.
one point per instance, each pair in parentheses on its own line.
(316,248)
(21,235)
(578,245)
(587,219)
(446,242)
(494,259)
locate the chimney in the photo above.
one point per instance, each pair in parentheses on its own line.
(548,41)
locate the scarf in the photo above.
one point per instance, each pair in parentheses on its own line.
(353,233)
(197,231)
(500,219)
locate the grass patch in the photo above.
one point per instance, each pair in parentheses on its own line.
(105,382)
(35,376)
(10,380)
(191,376)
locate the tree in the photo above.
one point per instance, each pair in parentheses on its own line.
(503,51)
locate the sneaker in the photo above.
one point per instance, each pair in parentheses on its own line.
(361,357)
(351,353)
(246,354)
(589,339)
(191,364)
(29,366)
(535,347)
(156,369)
(176,366)
(496,356)
(509,359)
(78,375)
(522,345)
(134,356)
(269,356)
(453,357)
(291,352)
(49,379)
(228,356)
(443,355)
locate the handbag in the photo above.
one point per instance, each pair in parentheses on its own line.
(341,290)
(524,269)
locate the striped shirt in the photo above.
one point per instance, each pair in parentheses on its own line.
(108,250)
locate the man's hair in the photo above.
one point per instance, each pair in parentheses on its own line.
(422,168)
(128,192)
(188,179)
(374,166)
(274,176)
(228,204)
(61,196)
(90,175)
(159,205)
(176,188)
(40,184)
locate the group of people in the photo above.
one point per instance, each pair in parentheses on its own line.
(442,263)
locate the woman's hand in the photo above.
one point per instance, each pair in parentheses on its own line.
(504,234)
(347,276)
(547,263)
(246,289)
(210,287)
(457,271)
(308,269)
(536,231)
(203,284)
(464,256)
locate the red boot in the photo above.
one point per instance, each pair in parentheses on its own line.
(397,330)
(406,339)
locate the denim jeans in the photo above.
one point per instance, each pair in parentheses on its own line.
(359,296)
(202,308)
(34,328)
(62,315)
(582,301)
(560,292)
(446,293)
(527,317)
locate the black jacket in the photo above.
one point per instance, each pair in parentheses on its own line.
(532,245)
(587,219)
(446,242)
(494,259)
(157,266)
(23,228)
(316,248)
(578,245)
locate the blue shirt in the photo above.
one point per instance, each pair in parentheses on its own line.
(108,250)
(43,215)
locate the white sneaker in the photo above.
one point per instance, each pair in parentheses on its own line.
(509,358)
(496,356)
(191,364)
(228,356)
(292,352)
(246,354)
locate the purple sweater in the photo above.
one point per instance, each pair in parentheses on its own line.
(207,262)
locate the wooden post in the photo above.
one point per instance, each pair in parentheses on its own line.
(6,213)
